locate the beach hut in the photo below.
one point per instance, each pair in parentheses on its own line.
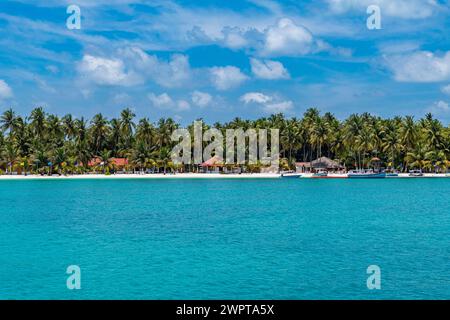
(376,163)
(322,163)
(212,165)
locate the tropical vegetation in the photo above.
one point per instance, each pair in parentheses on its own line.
(48,144)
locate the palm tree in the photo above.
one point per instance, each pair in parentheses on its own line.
(164,158)
(127,127)
(37,125)
(99,132)
(391,143)
(418,157)
(145,132)
(319,134)
(140,155)
(68,127)
(8,120)
(44,138)
(11,155)
(59,158)
(352,130)
(105,156)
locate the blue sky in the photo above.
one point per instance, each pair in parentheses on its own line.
(223,59)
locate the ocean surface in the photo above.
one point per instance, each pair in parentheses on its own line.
(225,239)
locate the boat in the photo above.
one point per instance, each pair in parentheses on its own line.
(366,174)
(391,174)
(416,173)
(291,174)
(320,174)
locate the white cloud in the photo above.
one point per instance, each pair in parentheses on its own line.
(421,66)
(282,107)
(104,71)
(161,101)
(255,97)
(131,66)
(405,9)
(225,78)
(174,72)
(439,108)
(234,38)
(201,99)
(5,90)
(446,89)
(442,105)
(164,101)
(268,69)
(399,47)
(287,39)
(269,104)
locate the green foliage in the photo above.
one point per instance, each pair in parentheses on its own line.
(31,143)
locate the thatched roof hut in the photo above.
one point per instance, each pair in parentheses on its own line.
(320,163)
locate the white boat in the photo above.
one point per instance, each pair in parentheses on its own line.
(320,174)
(291,174)
(416,173)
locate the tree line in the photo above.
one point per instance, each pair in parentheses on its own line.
(46,143)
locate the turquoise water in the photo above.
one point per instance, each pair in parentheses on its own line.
(225,239)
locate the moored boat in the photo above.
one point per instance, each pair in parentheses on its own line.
(416,173)
(291,175)
(320,174)
(368,174)
(391,174)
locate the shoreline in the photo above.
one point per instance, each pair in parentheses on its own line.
(146,176)
(195,176)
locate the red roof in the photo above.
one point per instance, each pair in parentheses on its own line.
(94,162)
(119,162)
(215,161)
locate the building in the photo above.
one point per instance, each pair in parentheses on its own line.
(322,163)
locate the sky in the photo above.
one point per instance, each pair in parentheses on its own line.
(218,60)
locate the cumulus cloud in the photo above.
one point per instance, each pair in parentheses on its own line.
(446,89)
(288,39)
(440,108)
(234,38)
(421,66)
(131,66)
(269,104)
(283,38)
(105,71)
(225,78)
(170,73)
(256,97)
(164,101)
(201,99)
(405,9)
(161,101)
(5,90)
(268,69)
